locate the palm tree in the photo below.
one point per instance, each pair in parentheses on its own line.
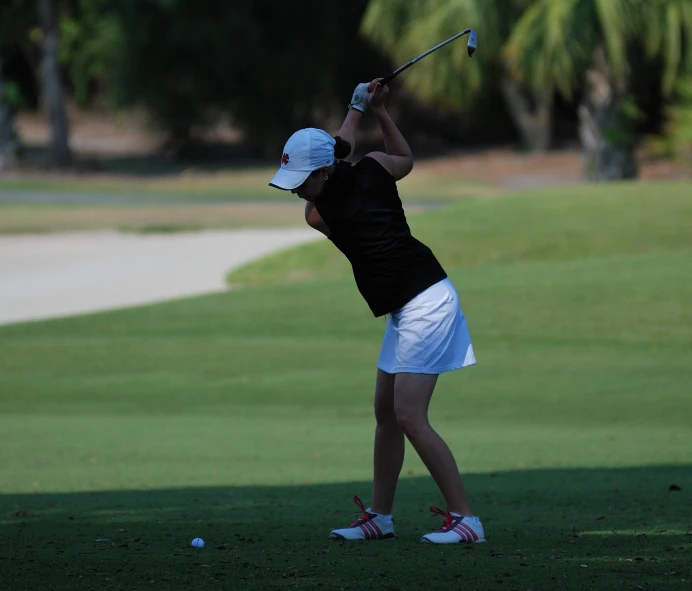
(9,144)
(10,23)
(566,45)
(406,28)
(53,95)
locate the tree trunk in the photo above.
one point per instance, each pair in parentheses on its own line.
(9,144)
(606,135)
(534,122)
(53,95)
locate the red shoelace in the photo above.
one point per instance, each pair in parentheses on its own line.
(365,516)
(449,519)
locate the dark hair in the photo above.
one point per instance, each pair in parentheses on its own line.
(342,148)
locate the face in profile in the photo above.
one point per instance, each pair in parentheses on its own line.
(313,186)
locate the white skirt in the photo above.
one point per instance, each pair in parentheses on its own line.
(428,335)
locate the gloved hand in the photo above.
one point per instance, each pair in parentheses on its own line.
(360,97)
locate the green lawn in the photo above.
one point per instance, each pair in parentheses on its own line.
(548,225)
(183,200)
(229,185)
(174,217)
(426,184)
(245,418)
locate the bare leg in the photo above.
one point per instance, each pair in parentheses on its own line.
(389,446)
(412,393)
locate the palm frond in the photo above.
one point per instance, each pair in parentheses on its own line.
(384,22)
(686,18)
(665,29)
(617,24)
(549,45)
(448,77)
(673,47)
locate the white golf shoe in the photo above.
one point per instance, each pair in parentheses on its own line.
(456,530)
(368,526)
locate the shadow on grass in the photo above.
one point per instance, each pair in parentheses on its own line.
(546,529)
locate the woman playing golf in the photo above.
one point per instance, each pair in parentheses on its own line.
(358,208)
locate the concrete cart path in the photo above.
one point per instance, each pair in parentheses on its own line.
(46,276)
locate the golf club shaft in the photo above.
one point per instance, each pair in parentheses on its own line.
(398,71)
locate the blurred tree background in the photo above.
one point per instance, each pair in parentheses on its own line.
(608,74)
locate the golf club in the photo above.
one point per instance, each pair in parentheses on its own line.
(471,46)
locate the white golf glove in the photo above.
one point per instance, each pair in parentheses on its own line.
(360,97)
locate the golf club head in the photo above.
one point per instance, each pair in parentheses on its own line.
(473,42)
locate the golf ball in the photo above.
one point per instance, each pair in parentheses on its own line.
(198,543)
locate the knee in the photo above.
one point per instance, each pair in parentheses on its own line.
(411,422)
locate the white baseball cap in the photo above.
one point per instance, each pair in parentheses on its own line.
(306,150)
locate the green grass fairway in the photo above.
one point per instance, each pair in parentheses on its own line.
(245,419)
(185,202)
(550,224)
(428,183)
(240,184)
(174,217)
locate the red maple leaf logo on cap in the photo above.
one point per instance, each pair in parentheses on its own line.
(285,158)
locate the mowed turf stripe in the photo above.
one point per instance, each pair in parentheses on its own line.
(44,453)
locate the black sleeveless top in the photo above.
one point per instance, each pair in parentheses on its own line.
(361,206)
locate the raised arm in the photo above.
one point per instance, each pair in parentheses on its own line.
(349,128)
(398,159)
